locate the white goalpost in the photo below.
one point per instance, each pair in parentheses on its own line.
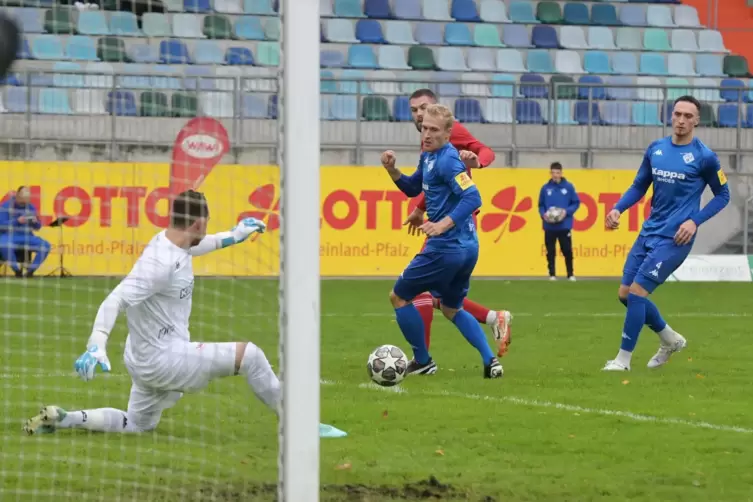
(299,252)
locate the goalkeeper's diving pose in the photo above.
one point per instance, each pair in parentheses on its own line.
(160,357)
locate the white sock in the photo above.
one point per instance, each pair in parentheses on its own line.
(667,335)
(99,420)
(260,376)
(624,357)
(491,318)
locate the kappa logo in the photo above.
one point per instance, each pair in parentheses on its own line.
(508,217)
(664,176)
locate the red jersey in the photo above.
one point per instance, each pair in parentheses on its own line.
(462,139)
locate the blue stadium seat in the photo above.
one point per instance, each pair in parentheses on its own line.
(468,110)
(327,82)
(137,77)
(604,14)
(348,8)
(144,53)
(734,90)
(503,86)
(626,93)
(24,50)
(436,10)
(362,56)
(166,77)
(331,59)
(533,86)
(254,107)
(709,65)
(539,61)
(576,13)
(748,116)
(377,9)
(593,88)
(173,51)
(272,107)
(522,12)
(429,34)
(17,100)
(38,79)
(516,35)
(197,6)
(239,56)
(729,115)
(399,33)
(545,37)
(408,9)
(121,103)
(349,82)
(510,61)
(29,20)
(582,115)
(258,7)
(616,113)
(47,47)
(124,24)
(498,111)
(561,112)
(633,15)
(597,62)
(528,112)
(653,64)
(81,48)
(92,22)
(369,31)
(624,63)
(457,34)
(645,114)
(680,64)
(465,10)
(65,77)
(249,28)
(208,52)
(198,78)
(447,84)
(12,80)
(401,109)
(344,107)
(601,37)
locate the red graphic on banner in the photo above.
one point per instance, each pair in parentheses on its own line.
(198,148)
(508,216)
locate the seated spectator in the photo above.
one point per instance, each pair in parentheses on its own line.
(18,220)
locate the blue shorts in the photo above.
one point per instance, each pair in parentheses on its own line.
(445,275)
(652,260)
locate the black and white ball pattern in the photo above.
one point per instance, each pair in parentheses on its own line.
(554,214)
(387,365)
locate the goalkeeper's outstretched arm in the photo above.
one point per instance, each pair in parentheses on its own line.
(240,233)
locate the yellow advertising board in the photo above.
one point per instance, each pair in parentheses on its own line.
(116,208)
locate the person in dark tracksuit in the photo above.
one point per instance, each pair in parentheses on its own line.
(559,193)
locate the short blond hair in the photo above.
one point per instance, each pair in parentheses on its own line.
(442,113)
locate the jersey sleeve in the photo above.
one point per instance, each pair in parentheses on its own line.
(464,140)
(412,185)
(714,176)
(640,186)
(453,172)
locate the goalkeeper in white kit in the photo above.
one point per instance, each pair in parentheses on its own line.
(160,357)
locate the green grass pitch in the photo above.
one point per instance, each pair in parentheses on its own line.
(555,428)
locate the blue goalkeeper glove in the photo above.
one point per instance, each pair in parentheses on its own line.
(246,228)
(89,360)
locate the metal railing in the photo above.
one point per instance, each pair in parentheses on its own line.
(746,224)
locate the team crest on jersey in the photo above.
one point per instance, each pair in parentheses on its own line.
(429,165)
(722,177)
(688,158)
(564,191)
(464,181)
(549,192)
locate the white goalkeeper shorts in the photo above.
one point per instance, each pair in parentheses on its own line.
(186,368)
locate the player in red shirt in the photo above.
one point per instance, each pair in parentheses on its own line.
(475,155)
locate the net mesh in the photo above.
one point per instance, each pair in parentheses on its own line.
(112,176)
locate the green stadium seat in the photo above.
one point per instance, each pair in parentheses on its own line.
(184,105)
(111,50)
(736,66)
(708,118)
(421,58)
(549,12)
(59,21)
(376,109)
(218,27)
(154,104)
(655,39)
(564,91)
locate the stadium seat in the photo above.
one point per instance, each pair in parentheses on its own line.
(170,5)
(408,9)
(503,86)
(165,77)
(228,6)
(81,48)
(510,61)
(272,107)
(734,90)
(121,103)
(652,64)
(604,15)
(88,102)
(468,110)
(135,76)
(645,114)
(217,27)
(576,13)
(54,102)
(549,12)
(352,82)
(429,34)
(249,28)
(729,115)
(633,15)
(173,52)
(228,78)
(544,37)
(111,49)
(124,24)
(493,11)
(341,31)
(600,37)
(481,60)
(208,52)
(153,104)
(17,100)
(239,56)
(268,54)
(392,57)
(40,79)
(616,113)
(399,33)
(362,56)
(708,118)
(539,61)
(573,37)
(711,41)
(528,112)
(533,86)
(498,111)
(197,6)
(198,78)
(596,62)
(327,82)
(568,62)
(99,75)
(348,8)
(24,50)
(585,114)
(446,84)
(465,10)
(650,90)
(421,58)
(258,7)
(183,105)
(676,87)
(629,39)
(593,87)
(457,34)
(711,65)
(563,88)
(660,16)
(680,64)
(92,22)
(451,59)
(377,9)
(187,26)
(655,39)
(686,16)
(416,80)
(735,66)
(474,85)
(522,12)
(329,59)
(486,35)
(401,109)
(254,107)
(436,10)
(684,41)
(706,89)
(59,21)
(67,75)
(616,93)
(272,29)
(156,25)
(29,20)
(143,53)
(625,63)
(516,35)
(217,104)
(369,31)
(375,109)
(748,117)
(47,47)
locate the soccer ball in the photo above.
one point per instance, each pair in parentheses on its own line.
(387,365)
(554,214)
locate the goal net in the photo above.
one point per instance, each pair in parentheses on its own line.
(98,152)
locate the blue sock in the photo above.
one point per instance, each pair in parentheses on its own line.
(654,320)
(412,326)
(471,330)
(635,318)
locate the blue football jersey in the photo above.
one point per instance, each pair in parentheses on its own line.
(679,174)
